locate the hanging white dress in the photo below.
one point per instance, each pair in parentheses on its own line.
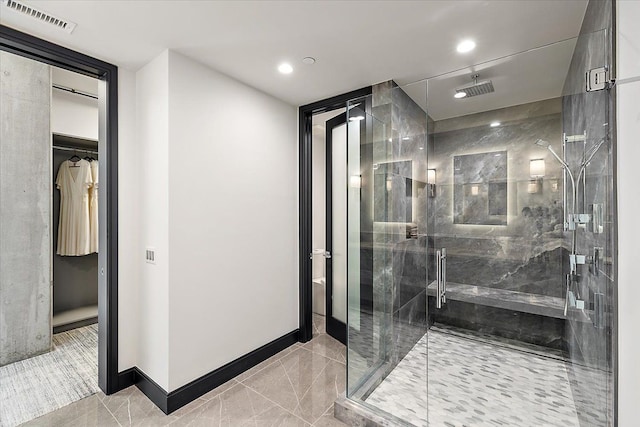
(74,181)
(93,208)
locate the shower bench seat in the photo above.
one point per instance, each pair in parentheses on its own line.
(540,305)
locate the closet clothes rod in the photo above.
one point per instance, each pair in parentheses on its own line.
(72,90)
(77,150)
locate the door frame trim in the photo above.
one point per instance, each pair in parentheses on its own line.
(28,46)
(305,220)
(334,327)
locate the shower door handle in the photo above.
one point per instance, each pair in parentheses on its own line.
(441,277)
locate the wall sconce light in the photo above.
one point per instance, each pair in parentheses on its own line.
(536,168)
(355,181)
(536,171)
(431,182)
(474,190)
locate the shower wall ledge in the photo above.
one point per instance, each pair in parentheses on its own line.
(541,305)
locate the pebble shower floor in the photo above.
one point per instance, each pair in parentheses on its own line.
(477,383)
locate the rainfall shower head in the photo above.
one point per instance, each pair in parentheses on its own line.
(475,89)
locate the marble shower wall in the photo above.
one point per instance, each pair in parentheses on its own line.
(590,337)
(399,242)
(526,254)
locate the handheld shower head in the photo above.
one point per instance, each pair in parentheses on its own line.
(547,145)
(542,143)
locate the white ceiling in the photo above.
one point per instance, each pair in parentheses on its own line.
(356,43)
(518,79)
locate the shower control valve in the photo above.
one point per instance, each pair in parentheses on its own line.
(576,220)
(576,260)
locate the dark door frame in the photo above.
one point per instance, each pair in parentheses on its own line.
(305,224)
(31,47)
(334,327)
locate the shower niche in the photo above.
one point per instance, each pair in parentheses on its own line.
(480,188)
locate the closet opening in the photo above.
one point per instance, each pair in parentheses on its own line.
(75,157)
(58,226)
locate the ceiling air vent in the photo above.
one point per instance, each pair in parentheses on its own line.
(39,15)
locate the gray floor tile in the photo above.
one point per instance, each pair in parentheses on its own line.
(303,382)
(328,347)
(88,412)
(132,408)
(239,406)
(296,387)
(328,420)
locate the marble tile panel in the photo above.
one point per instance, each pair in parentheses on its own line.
(219,390)
(324,390)
(510,300)
(89,412)
(239,406)
(260,366)
(517,325)
(328,420)
(303,382)
(328,347)
(130,407)
(319,324)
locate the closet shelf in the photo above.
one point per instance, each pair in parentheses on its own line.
(75,315)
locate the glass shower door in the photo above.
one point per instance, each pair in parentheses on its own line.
(591,287)
(492,292)
(520,289)
(387,299)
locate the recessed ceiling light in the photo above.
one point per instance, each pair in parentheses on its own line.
(459,95)
(494,124)
(356,118)
(285,68)
(309,60)
(466,46)
(422,148)
(406,138)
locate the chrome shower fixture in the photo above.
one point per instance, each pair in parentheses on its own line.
(574,218)
(547,145)
(477,88)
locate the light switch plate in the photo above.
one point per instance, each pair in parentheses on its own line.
(150,255)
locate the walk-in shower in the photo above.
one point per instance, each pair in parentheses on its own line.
(485,290)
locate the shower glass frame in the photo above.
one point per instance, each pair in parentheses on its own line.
(588,345)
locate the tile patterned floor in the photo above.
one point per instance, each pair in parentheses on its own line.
(296,387)
(476,383)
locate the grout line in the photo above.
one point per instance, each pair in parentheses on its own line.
(276,403)
(324,355)
(109,411)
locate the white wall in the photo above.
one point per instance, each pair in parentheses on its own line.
(233,276)
(74,115)
(628,111)
(152,208)
(129,248)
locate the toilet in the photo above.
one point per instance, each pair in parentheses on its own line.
(319,283)
(319,296)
